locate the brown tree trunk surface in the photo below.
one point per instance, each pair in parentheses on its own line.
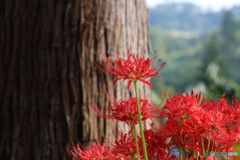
(47,72)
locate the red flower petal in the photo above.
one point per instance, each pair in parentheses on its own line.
(149,84)
(129,83)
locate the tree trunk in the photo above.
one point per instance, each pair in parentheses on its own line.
(47,72)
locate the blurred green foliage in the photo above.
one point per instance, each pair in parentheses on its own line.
(187,16)
(202,49)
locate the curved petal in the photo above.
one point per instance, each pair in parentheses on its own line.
(129,83)
(116,80)
(149,84)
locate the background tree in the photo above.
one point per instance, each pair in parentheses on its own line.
(219,51)
(47,73)
(229,27)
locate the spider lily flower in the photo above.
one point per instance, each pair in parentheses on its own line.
(124,147)
(132,68)
(95,151)
(180,106)
(126,110)
(157,147)
(227,140)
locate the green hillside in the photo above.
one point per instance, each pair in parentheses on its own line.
(201,48)
(186,16)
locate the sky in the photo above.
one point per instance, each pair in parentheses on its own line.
(204,4)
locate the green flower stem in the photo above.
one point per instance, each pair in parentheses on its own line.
(136,141)
(140,123)
(198,155)
(133,157)
(204,153)
(187,155)
(131,125)
(180,152)
(134,135)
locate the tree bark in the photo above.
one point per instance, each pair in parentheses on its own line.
(47,72)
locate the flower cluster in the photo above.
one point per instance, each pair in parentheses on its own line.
(199,127)
(193,126)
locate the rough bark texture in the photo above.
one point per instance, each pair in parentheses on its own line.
(47,72)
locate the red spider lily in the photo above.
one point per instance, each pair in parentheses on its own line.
(180,106)
(124,147)
(227,114)
(157,147)
(177,134)
(227,140)
(223,116)
(235,112)
(187,110)
(95,151)
(131,68)
(126,111)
